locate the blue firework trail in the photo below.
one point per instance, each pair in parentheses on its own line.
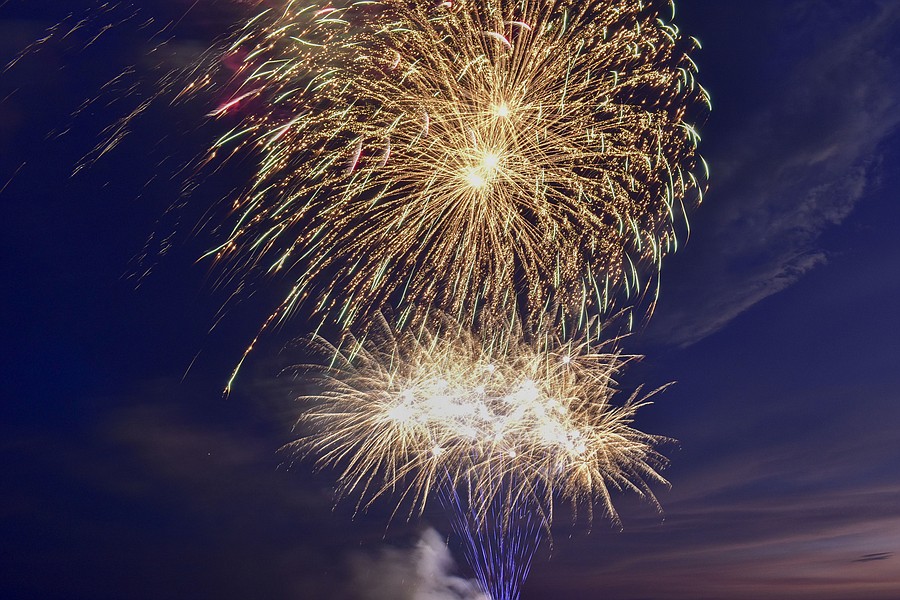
(499,546)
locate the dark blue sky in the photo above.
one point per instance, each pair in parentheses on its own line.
(778,320)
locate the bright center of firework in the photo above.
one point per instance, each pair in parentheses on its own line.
(475,179)
(529,391)
(515,414)
(484,173)
(401,414)
(490,162)
(501,110)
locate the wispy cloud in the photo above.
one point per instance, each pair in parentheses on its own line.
(796,500)
(875,556)
(790,171)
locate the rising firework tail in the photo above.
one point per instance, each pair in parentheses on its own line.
(500,548)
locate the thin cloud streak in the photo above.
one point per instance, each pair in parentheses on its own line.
(788,173)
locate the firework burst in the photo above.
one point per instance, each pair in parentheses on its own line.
(508,422)
(506,165)
(459,154)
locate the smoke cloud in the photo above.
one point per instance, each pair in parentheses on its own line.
(423,572)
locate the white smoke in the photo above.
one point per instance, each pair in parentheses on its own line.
(423,572)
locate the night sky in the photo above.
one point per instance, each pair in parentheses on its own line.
(124,477)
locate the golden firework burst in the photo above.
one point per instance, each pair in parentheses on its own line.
(509,153)
(504,421)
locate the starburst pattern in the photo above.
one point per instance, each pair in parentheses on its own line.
(509,153)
